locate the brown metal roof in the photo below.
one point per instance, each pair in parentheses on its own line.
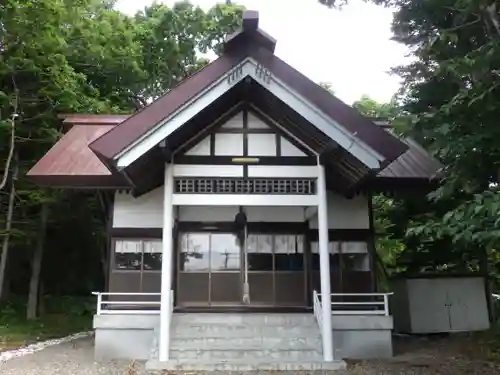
(69,120)
(116,140)
(415,163)
(92,119)
(345,115)
(70,162)
(250,32)
(141,122)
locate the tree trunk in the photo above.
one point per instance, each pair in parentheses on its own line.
(8,226)
(105,253)
(10,155)
(41,300)
(36,266)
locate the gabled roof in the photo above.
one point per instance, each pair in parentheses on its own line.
(250,42)
(415,163)
(352,147)
(71,163)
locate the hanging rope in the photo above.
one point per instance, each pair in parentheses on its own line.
(246,285)
(241,230)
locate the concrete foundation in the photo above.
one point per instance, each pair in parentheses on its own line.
(124,336)
(213,339)
(362,336)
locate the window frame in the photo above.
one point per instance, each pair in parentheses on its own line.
(143,241)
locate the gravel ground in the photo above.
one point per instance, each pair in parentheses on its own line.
(417,357)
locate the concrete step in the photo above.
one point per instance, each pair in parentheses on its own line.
(188,330)
(246,354)
(236,367)
(277,342)
(261,319)
(209,341)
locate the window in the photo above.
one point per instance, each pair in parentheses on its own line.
(151,256)
(204,252)
(220,252)
(128,255)
(334,256)
(275,252)
(350,255)
(225,255)
(260,252)
(194,254)
(355,256)
(138,255)
(356,262)
(289,253)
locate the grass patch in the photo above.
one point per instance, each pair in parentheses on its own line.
(488,342)
(16,331)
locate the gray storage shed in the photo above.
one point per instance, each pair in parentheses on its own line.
(439,303)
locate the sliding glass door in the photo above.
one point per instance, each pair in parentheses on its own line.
(211,270)
(277,272)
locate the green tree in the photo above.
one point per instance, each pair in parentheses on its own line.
(80,56)
(371,108)
(452,93)
(453,89)
(397,212)
(389,243)
(172,41)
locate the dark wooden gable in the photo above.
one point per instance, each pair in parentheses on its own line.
(248,96)
(244,134)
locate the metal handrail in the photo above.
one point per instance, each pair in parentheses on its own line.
(384,303)
(171,307)
(102,304)
(317,311)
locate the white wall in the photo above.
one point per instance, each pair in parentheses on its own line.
(194,170)
(146,212)
(201,170)
(345,213)
(254,214)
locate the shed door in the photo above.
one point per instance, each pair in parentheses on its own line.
(428,305)
(467,304)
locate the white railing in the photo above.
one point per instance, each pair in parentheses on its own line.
(356,305)
(378,306)
(317,310)
(171,307)
(496,296)
(107,306)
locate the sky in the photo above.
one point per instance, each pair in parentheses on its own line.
(349,48)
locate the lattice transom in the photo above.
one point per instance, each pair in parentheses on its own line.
(193,185)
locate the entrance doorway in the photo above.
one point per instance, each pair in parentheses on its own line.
(211,270)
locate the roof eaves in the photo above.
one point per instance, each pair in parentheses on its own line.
(134,127)
(366,130)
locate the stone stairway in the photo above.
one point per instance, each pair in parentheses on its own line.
(243,342)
